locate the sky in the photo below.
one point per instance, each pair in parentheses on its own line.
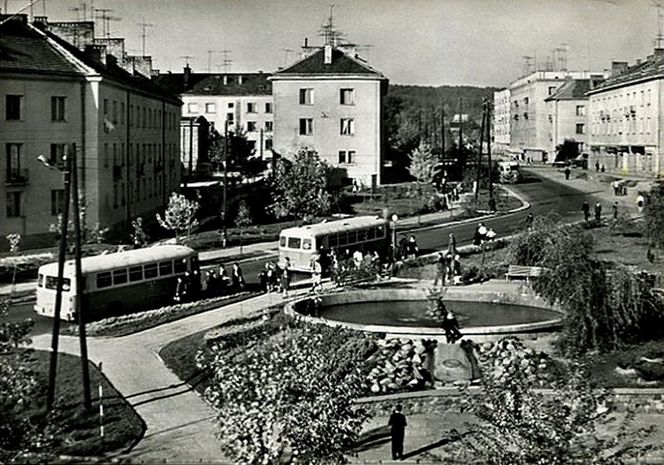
(423,42)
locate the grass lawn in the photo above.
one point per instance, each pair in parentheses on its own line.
(123,428)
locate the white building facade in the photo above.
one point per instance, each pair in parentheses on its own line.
(501,121)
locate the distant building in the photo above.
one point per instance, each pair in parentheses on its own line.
(567,111)
(529,116)
(626,116)
(58,98)
(332,101)
(501,121)
(241,100)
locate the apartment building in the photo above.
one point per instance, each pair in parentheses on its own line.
(331,101)
(501,121)
(60,99)
(626,117)
(241,100)
(529,113)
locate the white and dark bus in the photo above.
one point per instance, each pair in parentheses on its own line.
(365,233)
(116,283)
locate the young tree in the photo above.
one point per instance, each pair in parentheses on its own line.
(654,215)
(422,163)
(300,186)
(180,215)
(242,219)
(14,247)
(568,150)
(138,237)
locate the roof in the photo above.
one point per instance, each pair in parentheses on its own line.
(120,259)
(213,83)
(651,68)
(346,224)
(573,89)
(342,64)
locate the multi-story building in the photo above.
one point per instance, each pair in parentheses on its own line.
(567,113)
(60,99)
(501,121)
(529,123)
(195,139)
(241,100)
(331,101)
(626,116)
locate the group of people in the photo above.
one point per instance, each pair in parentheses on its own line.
(408,248)
(483,234)
(448,268)
(370,263)
(208,283)
(276,277)
(585,208)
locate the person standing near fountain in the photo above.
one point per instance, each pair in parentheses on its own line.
(441,270)
(397,425)
(451,327)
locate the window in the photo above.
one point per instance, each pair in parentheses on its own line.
(552,89)
(210,108)
(525,115)
(516,117)
(306,244)
(580,128)
(251,107)
(150,271)
(122,112)
(306,96)
(268,126)
(13,161)
(294,242)
(181,265)
(57,108)
(165,268)
(346,97)
(115,111)
(580,110)
(251,126)
(131,116)
(192,107)
(57,198)
(120,276)
(230,117)
(135,273)
(52,283)
(231,105)
(347,127)
(58,155)
(106,107)
(282,241)
(13,204)
(268,107)
(306,126)
(346,157)
(13,107)
(525,101)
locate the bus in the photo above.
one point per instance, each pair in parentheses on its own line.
(116,283)
(301,244)
(509,172)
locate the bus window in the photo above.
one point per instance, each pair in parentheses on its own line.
(343,239)
(333,241)
(120,276)
(194,263)
(294,242)
(104,280)
(40,280)
(282,241)
(150,271)
(306,244)
(165,268)
(352,237)
(52,283)
(135,273)
(180,266)
(361,235)
(380,232)
(371,233)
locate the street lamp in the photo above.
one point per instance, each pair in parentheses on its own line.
(393,225)
(70,182)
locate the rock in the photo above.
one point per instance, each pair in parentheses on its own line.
(375,388)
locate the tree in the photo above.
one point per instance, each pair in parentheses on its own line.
(567,426)
(138,237)
(96,234)
(14,247)
(242,219)
(299,186)
(180,215)
(568,150)
(422,163)
(654,215)
(288,397)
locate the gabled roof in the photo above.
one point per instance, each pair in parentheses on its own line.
(573,89)
(651,68)
(213,83)
(342,64)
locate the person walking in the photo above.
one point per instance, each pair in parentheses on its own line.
(640,203)
(451,327)
(237,278)
(528,222)
(585,208)
(316,276)
(614,208)
(285,277)
(567,173)
(441,270)
(597,167)
(412,248)
(397,424)
(598,212)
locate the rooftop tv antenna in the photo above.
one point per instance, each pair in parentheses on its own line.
(144,33)
(659,38)
(226,62)
(331,35)
(186,59)
(528,64)
(106,20)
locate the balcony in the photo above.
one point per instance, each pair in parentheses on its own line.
(17,177)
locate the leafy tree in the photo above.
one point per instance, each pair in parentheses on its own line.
(14,247)
(567,426)
(95,234)
(568,150)
(654,215)
(138,237)
(422,163)
(180,215)
(242,219)
(290,397)
(300,186)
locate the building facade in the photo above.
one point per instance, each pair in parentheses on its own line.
(529,113)
(241,100)
(626,114)
(331,101)
(501,121)
(61,100)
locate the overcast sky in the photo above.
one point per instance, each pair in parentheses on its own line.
(428,42)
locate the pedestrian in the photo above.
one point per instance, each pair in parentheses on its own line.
(270,276)
(316,276)
(528,222)
(412,248)
(598,212)
(237,279)
(451,327)
(615,211)
(616,188)
(179,290)
(403,248)
(602,168)
(640,202)
(585,208)
(262,277)
(490,235)
(397,426)
(285,277)
(451,244)
(441,269)
(223,279)
(480,234)
(567,173)
(204,281)
(597,166)
(357,258)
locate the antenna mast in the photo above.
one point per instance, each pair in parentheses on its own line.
(144,33)
(226,63)
(659,38)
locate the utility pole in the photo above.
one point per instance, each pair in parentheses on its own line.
(225,204)
(442,129)
(492,200)
(479,155)
(462,158)
(80,299)
(53,367)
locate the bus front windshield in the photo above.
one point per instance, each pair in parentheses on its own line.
(52,283)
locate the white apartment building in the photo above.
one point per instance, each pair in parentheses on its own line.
(626,116)
(529,113)
(501,121)
(57,100)
(331,101)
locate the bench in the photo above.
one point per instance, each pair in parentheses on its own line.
(524,272)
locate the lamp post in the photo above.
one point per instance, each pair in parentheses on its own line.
(393,225)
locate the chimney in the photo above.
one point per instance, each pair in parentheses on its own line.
(41,20)
(186,76)
(328,55)
(78,33)
(306,42)
(659,53)
(618,67)
(96,53)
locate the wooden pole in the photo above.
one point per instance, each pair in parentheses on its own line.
(479,155)
(492,200)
